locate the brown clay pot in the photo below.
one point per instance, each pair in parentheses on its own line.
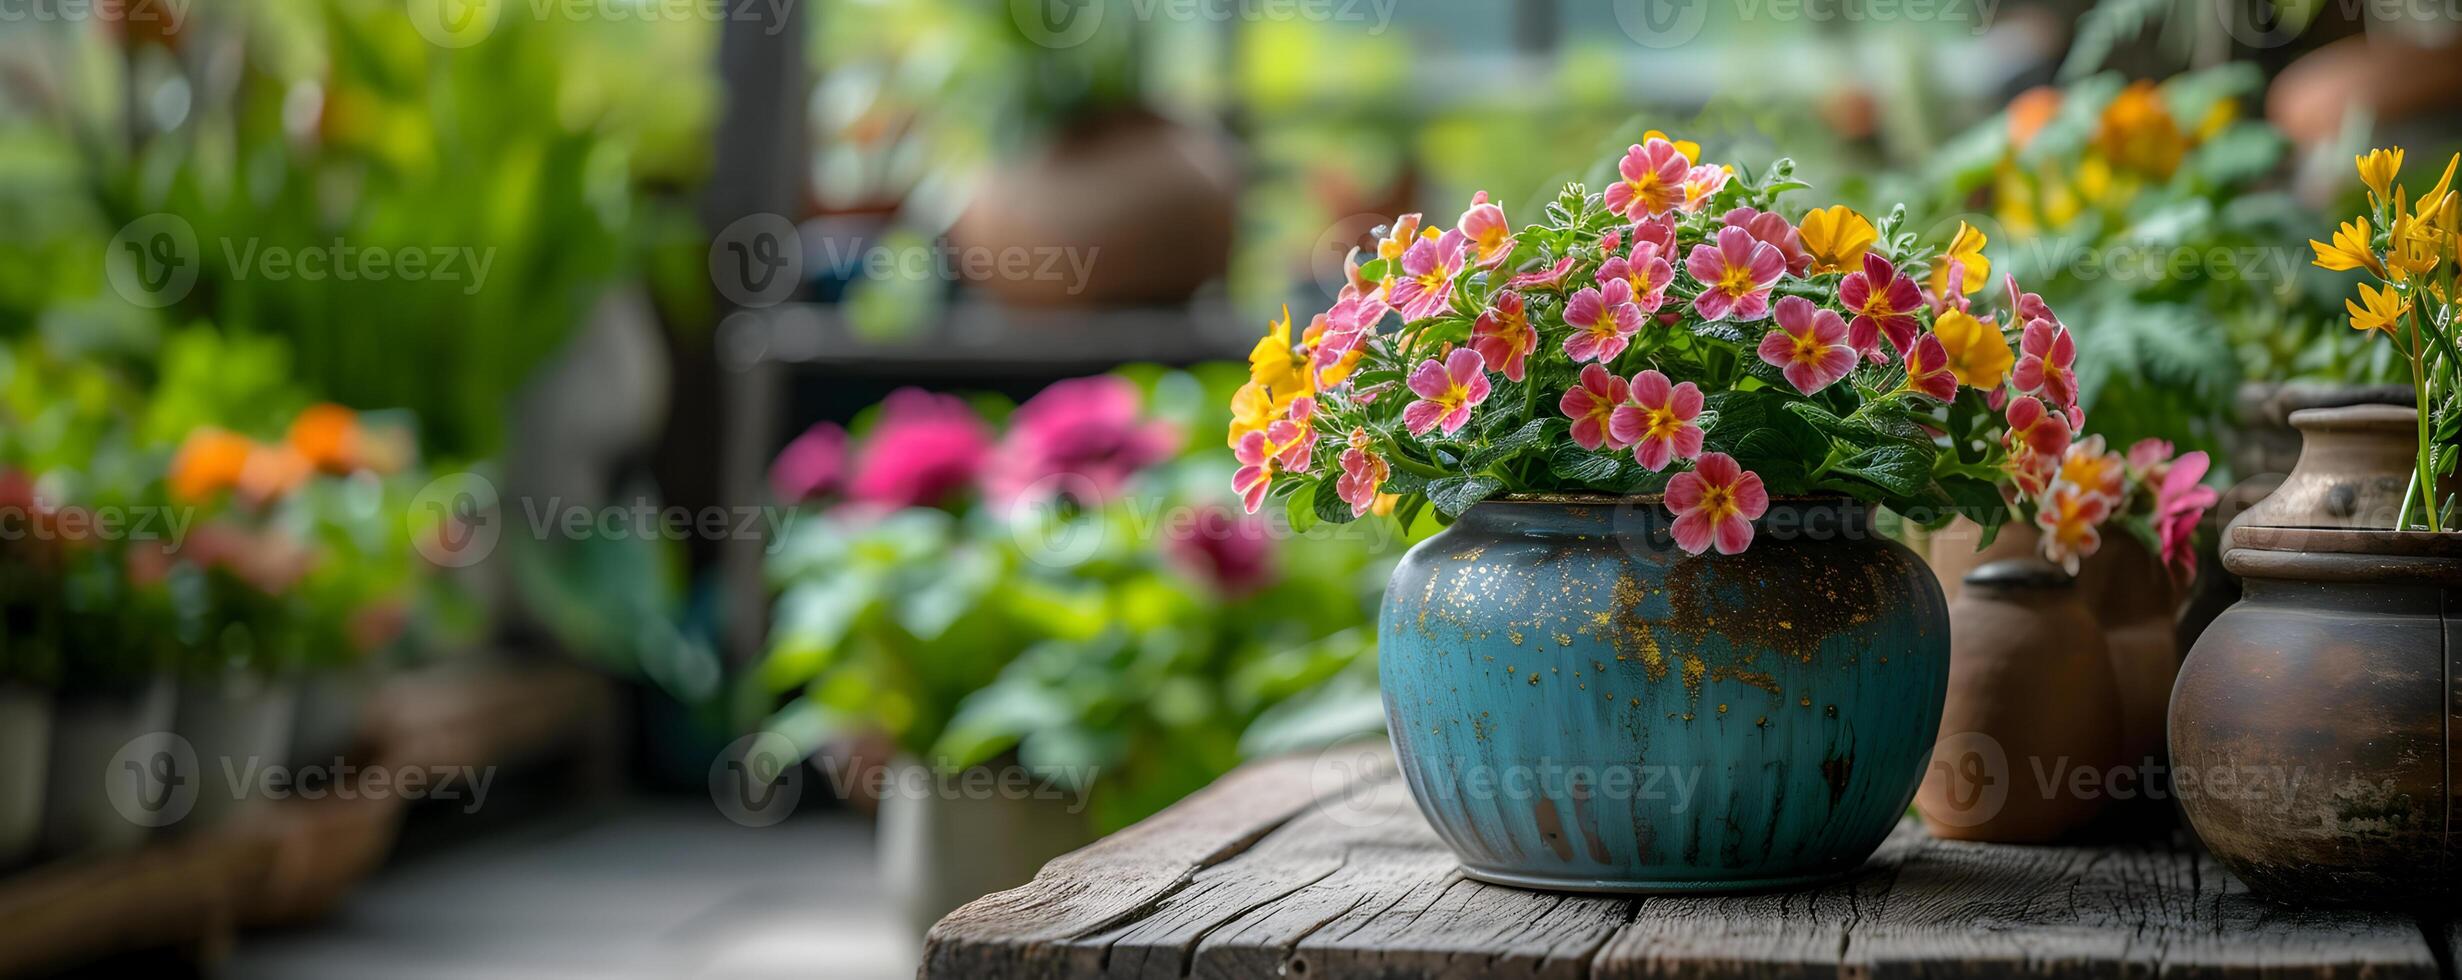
(2033,702)
(2355,464)
(2313,730)
(1144,206)
(2265,443)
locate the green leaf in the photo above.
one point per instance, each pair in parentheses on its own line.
(1896,467)
(1576,465)
(1301,507)
(1507,445)
(1330,507)
(1455,494)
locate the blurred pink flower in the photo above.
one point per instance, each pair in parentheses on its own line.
(926,448)
(1232,552)
(1081,436)
(811,466)
(2180,504)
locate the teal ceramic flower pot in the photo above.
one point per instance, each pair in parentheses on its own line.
(1576,704)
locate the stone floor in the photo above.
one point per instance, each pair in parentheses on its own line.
(644,889)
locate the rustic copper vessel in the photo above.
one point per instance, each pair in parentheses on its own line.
(2032,700)
(2313,730)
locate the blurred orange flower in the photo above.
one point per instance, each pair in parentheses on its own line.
(209,461)
(329,436)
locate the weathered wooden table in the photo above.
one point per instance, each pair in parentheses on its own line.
(1275,872)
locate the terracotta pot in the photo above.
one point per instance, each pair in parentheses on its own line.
(1142,205)
(2033,702)
(1952,553)
(2355,465)
(2265,443)
(2311,730)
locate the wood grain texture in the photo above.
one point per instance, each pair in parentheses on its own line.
(1260,877)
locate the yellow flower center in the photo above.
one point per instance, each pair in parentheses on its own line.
(1663,424)
(1718,503)
(1736,280)
(1808,348)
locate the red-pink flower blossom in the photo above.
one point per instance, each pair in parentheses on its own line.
(1447,391)
(1702,183)
(2071,517)
(2180,503)
(1658,421)
(1715,504)
(1644,272)
(925,449)
(1287,446)
(1927,370)
(1547,280)
(1363,472)
(1591,404)
(2040,430)
(1884,302)
(1491,239)
(1428,268)
(810,466)
(1651,180)
(2046,367)
(2149,459)
(1346,327)
(1604,321)
(1080,436)
(1659,231)
(1231,552)
(1503,335)
(1809,346)
(1736,276)
(1772,227)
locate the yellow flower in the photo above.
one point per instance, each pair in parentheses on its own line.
(1966,249)
(1978,354)
(1252,410)
(2377,170)
(2137,132)
(2414,245)
(1276,364)
(1690,149)
(2350,249)
(2382,310)
(1837,237)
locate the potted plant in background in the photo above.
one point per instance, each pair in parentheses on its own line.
(1070,597)
(1668,368)
(2338,663)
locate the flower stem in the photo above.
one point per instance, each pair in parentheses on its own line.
(2425,478)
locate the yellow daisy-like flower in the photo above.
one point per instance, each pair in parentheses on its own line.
(1978,354)
(2350,249)
(2377,309)
(1965,249)
(1279,366)
(2377,169)
(1837,237)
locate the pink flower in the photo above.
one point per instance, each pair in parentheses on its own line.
(1082,435)
(1809,345)
(2041,431)
(2179,505)
(2087,465)
(1544,280)
(1603,320)
(1716,503)
(1658,423)
(1287,446)
(810,466)
(2047,367)
(1736,276)
(1346,327)
(1363,472)
(1491,239)
(1231,552)
(2029,306)
(1591,404)
(925,448)
(1652,180)
(1927,370)
(1702,183)
(1447,392)
(2071,518)
(1772,227)
(1644,273)
(1428,269)
(1659,231)
(1503,335)
(1884,303)
(2149,459)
